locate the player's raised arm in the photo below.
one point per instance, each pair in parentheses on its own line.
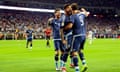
(83,11)
(62,36)
(49,21)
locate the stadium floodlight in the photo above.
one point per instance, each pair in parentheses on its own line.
(27,9)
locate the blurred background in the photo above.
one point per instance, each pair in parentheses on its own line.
(103,20)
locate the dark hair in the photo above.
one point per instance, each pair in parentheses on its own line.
(74,6)
(57,9)
(66,5)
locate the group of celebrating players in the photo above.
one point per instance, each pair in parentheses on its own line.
(69,35)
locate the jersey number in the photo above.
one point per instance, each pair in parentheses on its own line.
(81,20)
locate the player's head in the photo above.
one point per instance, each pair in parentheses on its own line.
(67,9)
(29,26)
(57,13)
(74,6)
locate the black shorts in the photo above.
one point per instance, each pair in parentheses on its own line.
(47,37)
(29,39)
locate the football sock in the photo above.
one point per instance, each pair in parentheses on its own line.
(75,61)
(31,45)
(65,56)
(56,60)
(27,44)
(48,44)
(71,59)
(81,55)
(61,58)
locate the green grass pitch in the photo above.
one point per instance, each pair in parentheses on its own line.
(102,56)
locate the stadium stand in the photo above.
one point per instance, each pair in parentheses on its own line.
(103,19)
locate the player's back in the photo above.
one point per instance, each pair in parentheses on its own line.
(78,24)
(29,33)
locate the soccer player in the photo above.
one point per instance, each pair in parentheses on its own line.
(66,19)
(48,34)
(90,36)
(16,34)
(79,36)
(29,36)
(55,23)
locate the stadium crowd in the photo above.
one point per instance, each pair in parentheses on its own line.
(10,22)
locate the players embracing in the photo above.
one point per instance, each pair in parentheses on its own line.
(69,30)
(77,25)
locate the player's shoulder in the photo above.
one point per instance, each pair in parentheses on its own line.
(63,16)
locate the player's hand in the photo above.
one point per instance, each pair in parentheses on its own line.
(64,41)
(85,12)
(50,19)
(83,9)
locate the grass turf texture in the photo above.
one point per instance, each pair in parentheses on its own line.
(102,56)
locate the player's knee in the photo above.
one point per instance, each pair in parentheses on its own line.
(57,53)
(62,52)
(74,53)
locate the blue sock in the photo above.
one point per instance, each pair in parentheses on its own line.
(81,55)
(71,61)
(65,56)
(56,60)
(75,61)
(71,58)
(56,64)
(63,63)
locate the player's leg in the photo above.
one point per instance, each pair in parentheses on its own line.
(61,59)
(27,43)
(75,49)
(31,43)
(67,50)
(90,40)
(71,60)
(56,57)
(48,43)
(81,54)
(82,58)
(62,49)
(64,60)
(70,37)
(65,57)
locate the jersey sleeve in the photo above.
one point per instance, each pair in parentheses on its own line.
(72,20)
